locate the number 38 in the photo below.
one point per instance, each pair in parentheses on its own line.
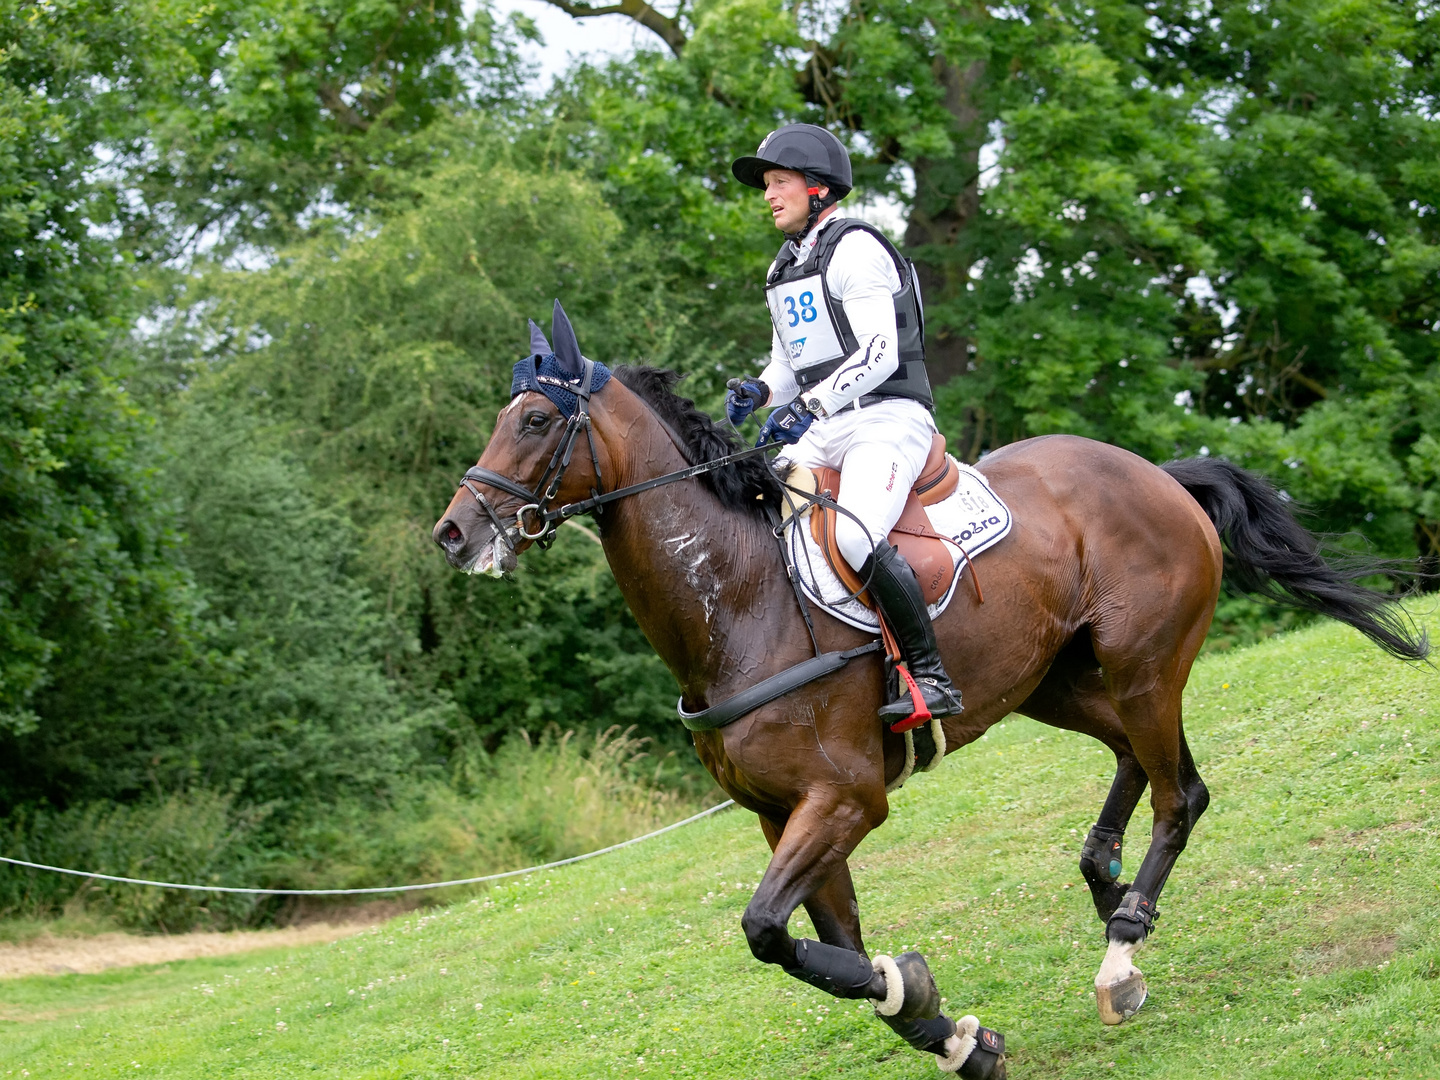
(807,311)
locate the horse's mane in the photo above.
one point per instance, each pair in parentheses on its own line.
(736,486)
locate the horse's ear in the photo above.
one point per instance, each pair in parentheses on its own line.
(538,345)
(567,349)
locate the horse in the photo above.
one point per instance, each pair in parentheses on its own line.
(1095,607)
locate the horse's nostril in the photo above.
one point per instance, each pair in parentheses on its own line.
(449,536)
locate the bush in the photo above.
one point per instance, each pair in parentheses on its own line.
(194,837)
(530,802)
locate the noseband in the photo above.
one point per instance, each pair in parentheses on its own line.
(537,502)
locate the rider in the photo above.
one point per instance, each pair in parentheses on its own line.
(847,372)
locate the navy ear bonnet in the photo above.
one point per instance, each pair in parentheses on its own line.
(557,372)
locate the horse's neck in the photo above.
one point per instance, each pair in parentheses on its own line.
(693,571)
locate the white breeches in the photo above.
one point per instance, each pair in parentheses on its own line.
(879,451)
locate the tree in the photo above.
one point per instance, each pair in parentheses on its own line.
(1201,224)
(88,556)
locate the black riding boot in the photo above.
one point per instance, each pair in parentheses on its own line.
(893,585)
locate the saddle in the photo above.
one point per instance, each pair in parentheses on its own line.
(924,549)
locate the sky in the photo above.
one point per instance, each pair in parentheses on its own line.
(601,36)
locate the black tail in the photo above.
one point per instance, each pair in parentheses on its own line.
(1269,554)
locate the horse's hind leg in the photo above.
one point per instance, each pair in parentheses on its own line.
(1178,797)
(1100,857)
(902,988)
(1073,696)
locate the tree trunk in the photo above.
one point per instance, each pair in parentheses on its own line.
(947,199)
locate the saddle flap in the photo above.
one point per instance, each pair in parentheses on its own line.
(913,534)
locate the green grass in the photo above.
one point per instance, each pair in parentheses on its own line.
(1298,935)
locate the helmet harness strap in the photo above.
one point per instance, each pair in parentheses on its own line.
(817,207)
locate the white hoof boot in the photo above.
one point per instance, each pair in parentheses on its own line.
(1119,987)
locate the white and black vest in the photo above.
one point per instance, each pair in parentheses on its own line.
(815,332)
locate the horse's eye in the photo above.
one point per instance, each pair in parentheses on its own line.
(536,421)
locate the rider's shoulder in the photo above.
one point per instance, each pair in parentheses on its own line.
(860,250)
(859,235)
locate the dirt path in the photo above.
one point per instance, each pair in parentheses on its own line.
(48,955)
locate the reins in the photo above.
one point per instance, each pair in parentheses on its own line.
(538,501)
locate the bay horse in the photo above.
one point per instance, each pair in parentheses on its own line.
(1094,609)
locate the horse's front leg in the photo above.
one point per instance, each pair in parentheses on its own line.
(809,867)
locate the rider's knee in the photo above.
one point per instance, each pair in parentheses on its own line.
(855,544)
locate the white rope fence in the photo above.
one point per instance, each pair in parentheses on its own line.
(376,889)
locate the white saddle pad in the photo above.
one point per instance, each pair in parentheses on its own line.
(973,518)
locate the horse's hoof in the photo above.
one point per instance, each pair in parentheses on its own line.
(910,992)
(1120,1001)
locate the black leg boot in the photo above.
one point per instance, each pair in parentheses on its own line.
(893,585)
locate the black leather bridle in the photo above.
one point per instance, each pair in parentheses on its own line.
(537,502)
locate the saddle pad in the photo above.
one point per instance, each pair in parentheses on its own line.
(973,517)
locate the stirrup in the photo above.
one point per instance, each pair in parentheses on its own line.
(928,699)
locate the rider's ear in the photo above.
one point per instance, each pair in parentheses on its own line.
(567,349)
(538,345)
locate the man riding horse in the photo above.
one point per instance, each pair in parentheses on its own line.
(847,374)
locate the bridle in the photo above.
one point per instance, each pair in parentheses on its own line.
(537,502)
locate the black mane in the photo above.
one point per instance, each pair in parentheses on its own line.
(736,486)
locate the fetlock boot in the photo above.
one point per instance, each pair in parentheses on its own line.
(897,593)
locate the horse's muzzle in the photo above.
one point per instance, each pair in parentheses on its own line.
(484,551)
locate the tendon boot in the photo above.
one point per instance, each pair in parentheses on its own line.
(897,594)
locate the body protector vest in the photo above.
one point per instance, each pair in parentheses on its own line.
(815,331)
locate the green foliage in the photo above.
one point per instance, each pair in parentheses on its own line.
(532,801)
(249,122)
(380,359)
(87,558)
(193,838)
(276,694)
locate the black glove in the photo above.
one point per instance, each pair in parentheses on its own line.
(786,424)
(745,396)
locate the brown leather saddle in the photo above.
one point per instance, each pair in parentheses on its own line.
(932,561)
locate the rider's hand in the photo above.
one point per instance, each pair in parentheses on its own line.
(786,424)
(744,397)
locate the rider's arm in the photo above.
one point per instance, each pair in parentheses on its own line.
(779,375)
(862,278)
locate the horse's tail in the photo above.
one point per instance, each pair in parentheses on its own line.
(1269,554)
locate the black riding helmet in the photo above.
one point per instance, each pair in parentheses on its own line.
(804,148)
(807,149)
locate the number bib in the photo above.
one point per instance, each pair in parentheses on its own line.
(801,316)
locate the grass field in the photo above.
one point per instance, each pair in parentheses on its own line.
(1298,936)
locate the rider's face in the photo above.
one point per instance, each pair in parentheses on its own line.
(789,199)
